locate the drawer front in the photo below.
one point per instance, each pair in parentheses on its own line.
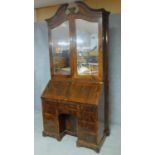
(88,108)
(67,111)
(68,108)
(87,127)
(50,124)
(49,117)
(50,128)
(49,107)
(88,117)
(88,137)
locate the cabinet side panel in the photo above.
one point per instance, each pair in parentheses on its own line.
(101,109)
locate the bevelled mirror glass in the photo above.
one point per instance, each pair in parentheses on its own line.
(87,47)
(61,49)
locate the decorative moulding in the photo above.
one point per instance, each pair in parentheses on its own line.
(72,9)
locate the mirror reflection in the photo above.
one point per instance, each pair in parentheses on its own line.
(87,47)
(60,49)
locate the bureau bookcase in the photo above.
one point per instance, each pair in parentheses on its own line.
(76,99)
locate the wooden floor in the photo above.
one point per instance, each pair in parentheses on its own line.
(50,146)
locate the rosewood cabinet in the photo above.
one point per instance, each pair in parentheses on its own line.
(75,100)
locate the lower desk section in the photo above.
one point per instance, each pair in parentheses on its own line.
(75,119)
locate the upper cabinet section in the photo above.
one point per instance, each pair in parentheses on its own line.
(77,42)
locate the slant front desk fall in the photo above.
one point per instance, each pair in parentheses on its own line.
(75,101)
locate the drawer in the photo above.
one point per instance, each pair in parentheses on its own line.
(50,123)
(88,137)
(89,117)
(49,107)
(87,127)
(49,128)
(48,116)
(69,106)
(50,119)
(67,111)
(88,108)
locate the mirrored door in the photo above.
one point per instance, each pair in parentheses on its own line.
(61,49)
(87,47)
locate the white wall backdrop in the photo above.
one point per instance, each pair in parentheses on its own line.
(115,68)
(42,70)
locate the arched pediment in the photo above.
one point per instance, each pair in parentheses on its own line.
(77,9)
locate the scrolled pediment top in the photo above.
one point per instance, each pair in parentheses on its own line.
(75,8)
